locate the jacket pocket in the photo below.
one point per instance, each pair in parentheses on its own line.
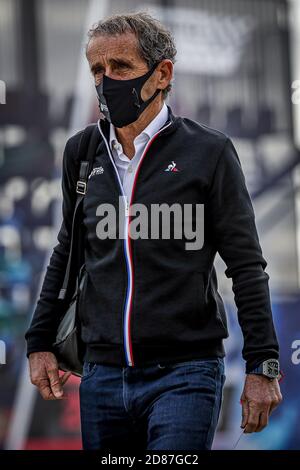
(199,295)
(100,311)
(170,309)
(81,293)
(218,306)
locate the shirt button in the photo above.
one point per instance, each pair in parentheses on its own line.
(116,146)
(130,169)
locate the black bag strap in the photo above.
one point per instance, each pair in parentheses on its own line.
(87,147)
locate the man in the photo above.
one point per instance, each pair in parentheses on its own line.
(153,322)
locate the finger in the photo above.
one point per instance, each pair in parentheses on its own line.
(65,377)
(56,387)
(274,405)
(45,390)
(245,413)
(253,419)
(263,421)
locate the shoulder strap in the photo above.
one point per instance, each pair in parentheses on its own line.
(87,147)
(85,155)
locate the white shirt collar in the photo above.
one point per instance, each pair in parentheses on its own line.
(148,132)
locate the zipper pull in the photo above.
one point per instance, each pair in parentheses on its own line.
(126,206)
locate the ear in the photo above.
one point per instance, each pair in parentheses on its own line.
(164,73)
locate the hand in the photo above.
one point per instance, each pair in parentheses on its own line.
(259,398)
(44,374)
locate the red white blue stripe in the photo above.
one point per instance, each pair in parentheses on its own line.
(128,247)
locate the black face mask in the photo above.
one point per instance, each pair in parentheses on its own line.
(120,100)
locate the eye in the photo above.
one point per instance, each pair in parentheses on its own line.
(98,75)
(98,71)
(120,66)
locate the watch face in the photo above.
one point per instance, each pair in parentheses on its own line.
(272,368)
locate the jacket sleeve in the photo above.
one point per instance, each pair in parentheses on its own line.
(42,331)
(236,238)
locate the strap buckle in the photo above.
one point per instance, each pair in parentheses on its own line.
(81,187)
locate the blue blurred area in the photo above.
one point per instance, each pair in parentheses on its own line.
(282,431)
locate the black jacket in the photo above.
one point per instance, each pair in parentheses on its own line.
(146,301)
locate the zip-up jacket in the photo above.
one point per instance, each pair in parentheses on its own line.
(150,300)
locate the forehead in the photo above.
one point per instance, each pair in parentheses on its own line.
(107,47)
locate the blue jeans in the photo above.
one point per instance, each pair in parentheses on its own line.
(166,407)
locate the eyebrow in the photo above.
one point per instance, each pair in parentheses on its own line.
(125,62)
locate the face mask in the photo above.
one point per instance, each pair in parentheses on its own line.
(120,100)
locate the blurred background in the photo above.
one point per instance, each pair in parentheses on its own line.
(237,70)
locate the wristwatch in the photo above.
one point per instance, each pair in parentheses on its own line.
(269,368)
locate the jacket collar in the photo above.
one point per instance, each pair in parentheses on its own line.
(175,121)
(159,121)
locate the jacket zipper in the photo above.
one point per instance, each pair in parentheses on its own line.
(127,314)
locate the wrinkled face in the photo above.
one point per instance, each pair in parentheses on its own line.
(118,58)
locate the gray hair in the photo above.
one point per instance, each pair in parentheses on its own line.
(155,41)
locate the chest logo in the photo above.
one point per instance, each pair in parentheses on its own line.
(96,171)
(172,167)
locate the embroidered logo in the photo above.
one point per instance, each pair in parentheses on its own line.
(172,167)
(96,171)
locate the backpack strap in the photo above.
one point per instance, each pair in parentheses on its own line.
(87,147)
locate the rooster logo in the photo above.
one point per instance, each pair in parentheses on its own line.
(172,167)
